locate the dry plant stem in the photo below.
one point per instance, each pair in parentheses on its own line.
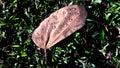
(45,56)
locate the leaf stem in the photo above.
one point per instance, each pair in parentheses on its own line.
(45,56)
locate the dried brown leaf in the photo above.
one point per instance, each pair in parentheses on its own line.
(59,25)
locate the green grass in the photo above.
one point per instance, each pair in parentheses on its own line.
(94,46)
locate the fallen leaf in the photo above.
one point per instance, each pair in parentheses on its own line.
(59,25)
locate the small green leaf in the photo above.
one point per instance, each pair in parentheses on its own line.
(73,47)
(13,17)
(26,13)
(14,1)
(77,35)
(54,58)
(97,1)
(107,16)
(95,34)
(103,50)
(87,52)
(76,41)
(15,46)
(23,54)
(2,34)
(2,24)
(117,9)
(102,37)
(27,42)
(19,37)
(70,3)
(65,60)
(12,54)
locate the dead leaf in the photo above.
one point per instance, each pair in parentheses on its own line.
(59,25)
